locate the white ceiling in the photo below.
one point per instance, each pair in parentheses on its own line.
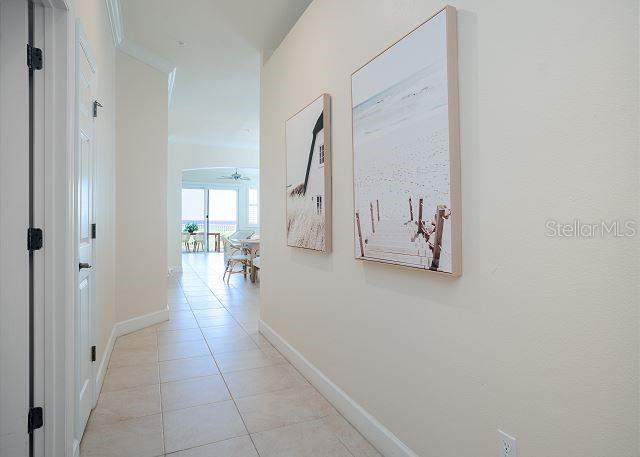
(216,94)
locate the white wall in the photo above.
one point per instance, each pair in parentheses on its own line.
(142,125)
(189,157)
(539,336)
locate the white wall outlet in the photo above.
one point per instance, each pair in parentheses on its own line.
(508,445)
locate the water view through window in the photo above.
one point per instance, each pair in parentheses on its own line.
(218,207)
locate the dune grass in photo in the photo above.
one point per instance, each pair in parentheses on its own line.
(305,228)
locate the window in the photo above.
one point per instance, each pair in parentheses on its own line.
(252,206)
(319,204)
(321,154)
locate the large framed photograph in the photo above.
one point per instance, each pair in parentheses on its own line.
(406,151)
(308,152)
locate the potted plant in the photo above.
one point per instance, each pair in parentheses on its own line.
(191,227)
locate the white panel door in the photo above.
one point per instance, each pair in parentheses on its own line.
(85,383)
(14,220)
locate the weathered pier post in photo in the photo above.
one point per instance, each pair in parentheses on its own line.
(437,248)
(378,209)
(359,234)
(373,227)
(410,210)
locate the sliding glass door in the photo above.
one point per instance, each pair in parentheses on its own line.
(194,220)
(207,214)
(222,213)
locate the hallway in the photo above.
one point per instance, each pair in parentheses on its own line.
(206,383)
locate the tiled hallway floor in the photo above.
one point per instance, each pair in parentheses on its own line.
(207,384)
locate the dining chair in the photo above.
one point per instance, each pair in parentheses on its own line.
(198,241)
(233,257)
(186,241)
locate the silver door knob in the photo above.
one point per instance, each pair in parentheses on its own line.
(82,265)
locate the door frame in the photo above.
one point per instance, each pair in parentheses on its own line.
(55,209)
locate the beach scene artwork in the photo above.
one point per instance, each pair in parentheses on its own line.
(406,155)
(308,189)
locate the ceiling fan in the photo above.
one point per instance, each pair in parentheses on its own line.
(236,176)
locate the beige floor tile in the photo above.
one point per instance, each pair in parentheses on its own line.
(199,425)
(226,331)
(263,380)
(193,392)
(349,436)
(192,367)
(202,313)
(217,321)
(248,359)
(124,357)
(206,305)
(139,437)
(306,439)
(221,345)
(283,407)
(127,404)
(119,378)
(234,447)
(166,337)
(182,350)
(145,340)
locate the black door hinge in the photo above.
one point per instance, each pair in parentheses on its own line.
(93,353)
(96,104)
(93,230)
(35,419)
(34,58)
(34,239)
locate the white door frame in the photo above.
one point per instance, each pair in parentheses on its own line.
(55,209)
(14,220)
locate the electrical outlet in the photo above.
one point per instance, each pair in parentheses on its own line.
(508,445)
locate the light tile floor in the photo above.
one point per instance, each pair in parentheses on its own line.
(207,384)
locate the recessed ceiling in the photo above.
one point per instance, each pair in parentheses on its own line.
(217,47)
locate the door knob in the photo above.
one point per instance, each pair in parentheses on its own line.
(82,265)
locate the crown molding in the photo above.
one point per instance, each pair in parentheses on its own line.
(115,19)
(136,51)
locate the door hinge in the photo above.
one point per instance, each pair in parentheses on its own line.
(34,58)
(34,239)
(96,104)
(93,353)
(93,230)
(35,419)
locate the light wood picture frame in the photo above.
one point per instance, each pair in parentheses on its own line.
(308,166)
(406,151)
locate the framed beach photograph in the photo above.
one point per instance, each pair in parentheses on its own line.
(406,153)
(308,158)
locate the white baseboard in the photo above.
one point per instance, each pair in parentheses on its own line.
(122,328)
(140,322)
(386,442)
(175,269)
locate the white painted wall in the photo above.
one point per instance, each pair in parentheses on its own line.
(539,336)
(189,157)
(142,126)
